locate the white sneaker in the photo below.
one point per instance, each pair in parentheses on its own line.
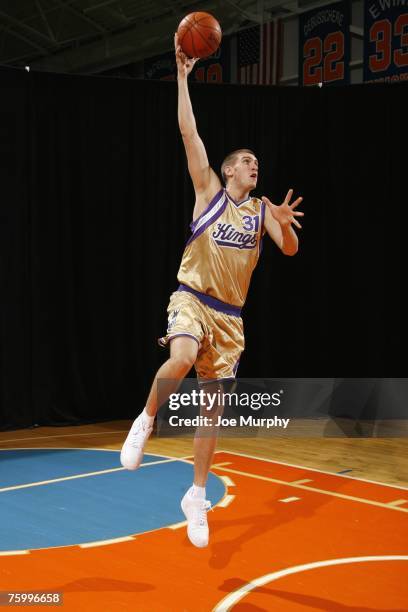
(132,450)
(195,510)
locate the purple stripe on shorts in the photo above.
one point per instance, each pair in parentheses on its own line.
(212,302)
(211,204)
(166,339)
(184,334)
(209,222)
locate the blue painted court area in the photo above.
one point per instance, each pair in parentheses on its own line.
(98,507)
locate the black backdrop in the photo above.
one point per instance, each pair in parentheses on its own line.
(95,206)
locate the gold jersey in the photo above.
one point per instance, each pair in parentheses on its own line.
(223,251)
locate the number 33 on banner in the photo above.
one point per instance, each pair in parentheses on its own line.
(381,34)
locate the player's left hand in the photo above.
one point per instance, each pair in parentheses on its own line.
(285,213)
(184,64)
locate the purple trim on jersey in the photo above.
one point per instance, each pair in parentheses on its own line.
(212,302)
(209,222)
(211,204)
(263,209)
(237,204)
(235,368)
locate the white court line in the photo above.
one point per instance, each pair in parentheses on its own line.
(76,476)
(95,433)
(226,501)
(177,525)
(185,459)
(303,467)
(227,481)
(91,448)
(361,500)
(45,482)
(398,502)
(5,553)
(230,600)
(106,542)
(67,448)
(287,500)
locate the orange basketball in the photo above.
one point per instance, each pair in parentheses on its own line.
(199,34)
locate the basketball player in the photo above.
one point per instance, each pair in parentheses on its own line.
(205,327)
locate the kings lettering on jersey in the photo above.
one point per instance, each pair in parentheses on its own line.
(224,248)
(226,235)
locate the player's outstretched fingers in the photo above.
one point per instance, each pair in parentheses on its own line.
(288,196)
(296,202)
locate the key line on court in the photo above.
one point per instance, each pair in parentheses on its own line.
(226,501)
(98,473)
(398,502)
(312,469)
(315,490)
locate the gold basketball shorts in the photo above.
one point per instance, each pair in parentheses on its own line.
(220,336)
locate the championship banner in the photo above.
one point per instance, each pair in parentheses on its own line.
(324,45)
(385,41)
(213,69)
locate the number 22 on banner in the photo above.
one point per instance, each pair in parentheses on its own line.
(333,62)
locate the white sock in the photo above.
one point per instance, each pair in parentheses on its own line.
(197,492)
(147,418)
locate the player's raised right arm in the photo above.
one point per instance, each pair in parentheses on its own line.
(206,182)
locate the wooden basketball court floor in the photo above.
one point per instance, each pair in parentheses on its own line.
(300,524)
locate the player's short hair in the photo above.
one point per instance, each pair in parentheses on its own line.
(230,159)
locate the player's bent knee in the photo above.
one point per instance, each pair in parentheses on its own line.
(182,363)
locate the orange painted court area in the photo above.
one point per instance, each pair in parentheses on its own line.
(277,518)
